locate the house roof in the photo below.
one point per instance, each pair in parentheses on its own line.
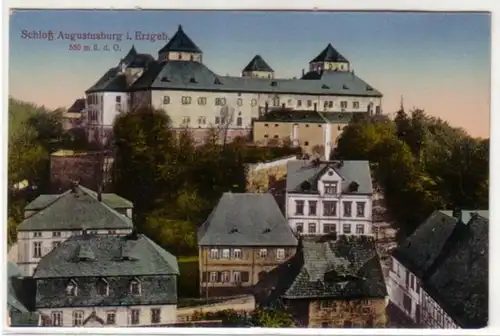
(257,64)
(246,220)
(343,268)
(144,257)
(440,249)
(13,299)
(305,116)
(329,54)
(141,61)
(76,210)
(180,42)
(301,171)
(78,106)
(186,75)
(111,81)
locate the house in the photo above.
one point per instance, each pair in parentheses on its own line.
(244,238)
(323,197)
(195,97)
(315,132)
(333,281)
(73,117)
(423,281)
(51,219)
(102,280)
(19,300)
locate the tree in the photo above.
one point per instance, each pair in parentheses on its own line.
(261,317)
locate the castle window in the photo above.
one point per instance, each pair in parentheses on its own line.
(330,104)
(299,103)
(78,317)
(254,102)
(186,120)
(266,136)
(180,56)
(192,79)
(345,87)
(239,102)
(237,254)
(217,120)
(166,100)
(355,105)
(202,100)
(202,120)
(186,100)
(220,101)
(118,99)
(276,102)
(102,287)
(343,104)
(191,58)
(135,287)
(239,121)
(309,103)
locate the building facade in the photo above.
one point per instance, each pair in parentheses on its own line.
(423,281)
(74,116)
(112,281)
(325,197)
(195,97)
(244,238)
(52,219)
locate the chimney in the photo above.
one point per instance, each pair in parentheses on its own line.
(303,72)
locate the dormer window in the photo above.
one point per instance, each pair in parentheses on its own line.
(331,188)
(72,288)
(102,287)
(135,287)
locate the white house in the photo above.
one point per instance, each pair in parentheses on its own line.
(329,197)
(197,98)
(51,219)
(433,279)
(111,281)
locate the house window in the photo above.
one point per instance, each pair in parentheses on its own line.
(37,250)
(56,318)
(330,104)
(186,100)
(253,102)
(237,254)
(72,288)
(55,244)
(360,229)
(217,120)
(330,188)
(343,104)
(299,227)
(306,143)
(239,121)
(276,102)
(213,276)
(239,102)
(202,101)
(280,254)
(329,228)
(202,120)
(355,105)
(37,234)
(186,120)
(225,254)
(111,317)
(299,207)
(360,209)
(237,277)
(135,287)
(346,228)
(155,315)
(225,277)
(299,103)
(214,254)
(134,316)
(166,100)
(309,103)
(102,287)
(311,228)
(220,101)
(347,208)
(263,253)
(312,208)
(111,232)
(329,208)
(118,99)
(77,318)
(407,303)
(56,234)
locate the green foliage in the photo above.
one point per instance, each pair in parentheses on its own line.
(174,183)
(422,164)
(266,318)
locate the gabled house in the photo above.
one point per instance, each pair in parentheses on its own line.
(74,116)
(101,280)
(324,197)
(244,238)
(332,283)
(51,219)
(20,299)
(439,275)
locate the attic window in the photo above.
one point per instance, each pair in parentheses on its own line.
(85,253)
(273,83)
(192,80)
(72,288)
(102,287)
(267,230)
(135,287)
(165,79)
(369,88)
(324,86)
(233,230)
(305,186)
(345,87)
(217,81)
(353,186)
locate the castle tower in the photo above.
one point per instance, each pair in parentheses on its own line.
(180,48)
(329,60)
(258,68)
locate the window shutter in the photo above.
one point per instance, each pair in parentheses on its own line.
(205,275)
(244,276)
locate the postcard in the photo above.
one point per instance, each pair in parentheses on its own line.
(248,169)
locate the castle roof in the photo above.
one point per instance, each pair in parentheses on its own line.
(329,54)
(180,42)
(258,64)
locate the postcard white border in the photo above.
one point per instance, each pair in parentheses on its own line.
(368,5)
